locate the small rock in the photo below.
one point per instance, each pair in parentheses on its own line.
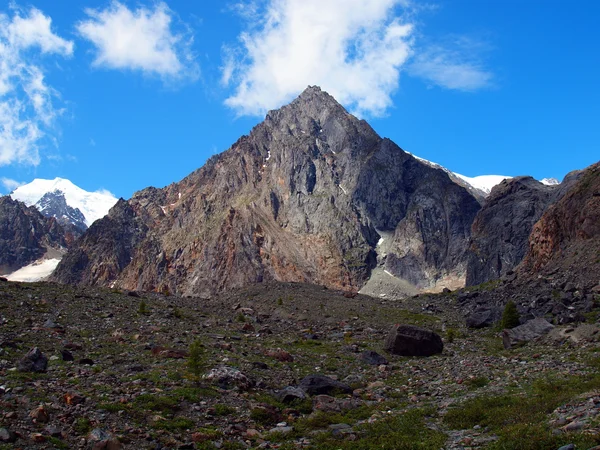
(72,399)
(280,355)
(567,447)
(228,378)
(373,358)
(320,384)
(66,355)
(33,361)
(39,415)
(7,436)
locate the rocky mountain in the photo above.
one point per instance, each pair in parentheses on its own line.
(68,203)
(26,235)
(501,229)
(309,195)
(54,204)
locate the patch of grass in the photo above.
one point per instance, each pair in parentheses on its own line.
(518,418)
(223,410)
(476,383)
(82,425)
(407,431)
(113,407)
(194,394)
(57,443)
(156,403)
(175,424)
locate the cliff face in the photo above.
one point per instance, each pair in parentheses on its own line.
(306,196)
(501,229)
(567,237)
(25,235)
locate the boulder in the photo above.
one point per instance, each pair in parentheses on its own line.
(289,394)
(484,317)
(229,378)
(33,361)
(322,385)
(529,331)
(373,358)
(410,340)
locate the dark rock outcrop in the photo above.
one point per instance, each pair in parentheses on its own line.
(500,231)
(409,340)
(25,235)
(303,198)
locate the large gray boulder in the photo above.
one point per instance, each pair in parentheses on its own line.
(323,385)
(484,317)
(529,331)
(410,340)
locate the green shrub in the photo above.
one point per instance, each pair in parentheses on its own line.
(196,361)
(510,316)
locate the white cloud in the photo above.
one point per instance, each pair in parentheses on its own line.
(27,108)
(142,40)
(9,184)
(456,68)
(354,49)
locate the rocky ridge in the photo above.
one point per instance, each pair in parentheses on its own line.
(26,235)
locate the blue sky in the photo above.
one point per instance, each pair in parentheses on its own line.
(125,95)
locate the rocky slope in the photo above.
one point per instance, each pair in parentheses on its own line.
(500,231)
(114,373)
(307,196)
(26,235)
(54,204)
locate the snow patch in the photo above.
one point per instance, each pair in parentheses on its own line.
(381,240)
(484,183)
(93,205)
(36,271)
(390,274)
(343,190)
(550,181)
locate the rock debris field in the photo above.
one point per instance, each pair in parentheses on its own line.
(285,366)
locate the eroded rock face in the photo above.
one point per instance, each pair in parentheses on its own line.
(303,198)
(25,235)
(501,229)
(569,232)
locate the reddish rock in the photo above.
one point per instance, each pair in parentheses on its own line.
(72,399)
(39,415)
(280,355)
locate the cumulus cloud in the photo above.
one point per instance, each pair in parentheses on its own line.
(9,184)
(354,49)
(141,40)
(454,66)
(27,102)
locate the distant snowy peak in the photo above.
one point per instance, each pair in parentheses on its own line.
(550,181)
(93,205)
(484,183)
(54,204)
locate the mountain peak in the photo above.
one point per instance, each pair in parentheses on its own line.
(93,205)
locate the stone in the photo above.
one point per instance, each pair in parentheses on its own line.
(7,436)
(229,378)
(373,358)
(103,440)
(289,394)
(72,399)
(33,361)
(321,384)
(484,317)
(39,415)
(568,447)
(327,403)
(280,355)
(67,355)
(410,340)
(529,331)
